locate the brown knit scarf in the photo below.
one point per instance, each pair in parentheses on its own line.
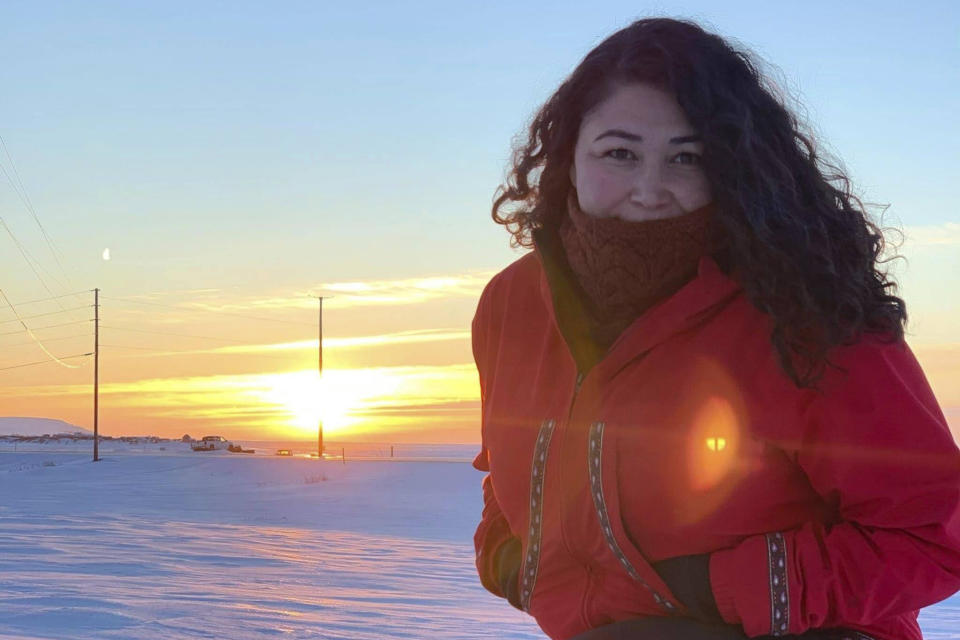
(626,267)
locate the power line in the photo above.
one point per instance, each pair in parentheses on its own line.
(25,198)
(151,349)
(30,364)
(20,344)
(32,262)
(65,295)
(21,191)
(223,313)
(30,259)
(49,326)
(34,337)
(40,315)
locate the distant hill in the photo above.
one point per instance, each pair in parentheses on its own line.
(38,427)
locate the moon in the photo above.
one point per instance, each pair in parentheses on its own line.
(106,253)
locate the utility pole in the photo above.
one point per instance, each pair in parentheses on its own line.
(96,374)
(320,376)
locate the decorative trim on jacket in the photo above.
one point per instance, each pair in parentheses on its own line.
(779,598)
(531,561)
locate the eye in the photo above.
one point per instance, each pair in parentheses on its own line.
(620,154)
(688,157)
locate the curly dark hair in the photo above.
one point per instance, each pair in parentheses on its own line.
(792,232)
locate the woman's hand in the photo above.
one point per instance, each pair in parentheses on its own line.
(689,579)
(507,563)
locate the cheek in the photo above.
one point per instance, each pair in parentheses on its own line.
(692,192)
(599,189)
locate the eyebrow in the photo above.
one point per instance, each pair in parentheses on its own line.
(620,133)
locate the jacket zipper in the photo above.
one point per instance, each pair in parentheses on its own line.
(563,438)
(576,391)
(588,574)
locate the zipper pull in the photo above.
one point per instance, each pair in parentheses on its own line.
(576,387)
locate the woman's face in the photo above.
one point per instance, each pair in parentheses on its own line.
(638,158)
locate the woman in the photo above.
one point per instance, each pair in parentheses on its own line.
(700,419)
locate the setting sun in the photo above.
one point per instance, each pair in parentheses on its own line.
(337,399)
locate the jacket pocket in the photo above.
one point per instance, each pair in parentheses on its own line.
(595,464)
(531,559)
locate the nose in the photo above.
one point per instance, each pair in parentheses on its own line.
(649,190)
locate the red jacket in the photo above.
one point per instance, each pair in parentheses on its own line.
(821,509)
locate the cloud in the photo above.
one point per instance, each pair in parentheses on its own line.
(399,292)
(354,342)
(329,344)
(337,295)
(946,234)
(362,293)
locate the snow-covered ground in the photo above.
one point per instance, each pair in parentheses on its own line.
(151,543)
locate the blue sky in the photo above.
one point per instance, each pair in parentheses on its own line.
(167,122)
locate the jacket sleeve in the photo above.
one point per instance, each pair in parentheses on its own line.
(876,445)
(492,538)
(493,533)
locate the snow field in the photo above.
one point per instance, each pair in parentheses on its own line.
(232,546)
(172,544)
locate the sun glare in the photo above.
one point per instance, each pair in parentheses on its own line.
(337,399)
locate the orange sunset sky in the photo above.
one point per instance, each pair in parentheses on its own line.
(248,367)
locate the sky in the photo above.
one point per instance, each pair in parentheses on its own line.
(238,159)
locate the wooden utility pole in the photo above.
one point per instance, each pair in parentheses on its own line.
(320,372)
(96,374)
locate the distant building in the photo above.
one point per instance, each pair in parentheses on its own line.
(211,443)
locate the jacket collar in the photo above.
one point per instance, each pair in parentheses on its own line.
(697,300)
(565,300)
